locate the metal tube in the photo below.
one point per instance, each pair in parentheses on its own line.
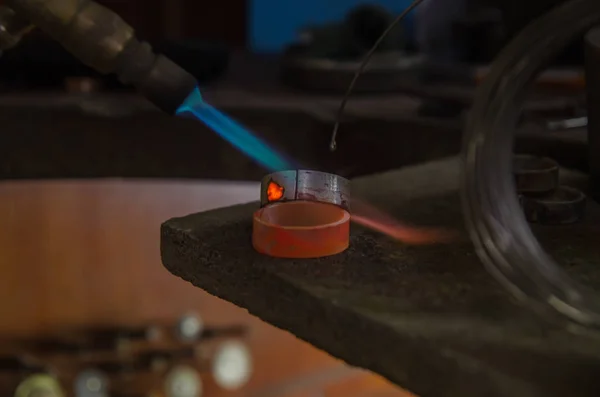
(592,68)
(91,32)
(102,40)
(12,28)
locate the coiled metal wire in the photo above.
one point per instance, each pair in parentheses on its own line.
(496,224)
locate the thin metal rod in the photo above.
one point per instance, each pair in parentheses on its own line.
(361,68)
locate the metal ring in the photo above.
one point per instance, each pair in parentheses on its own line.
(305,185)
(564,206)
(535,175)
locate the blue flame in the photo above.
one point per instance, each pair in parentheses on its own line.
(234,133)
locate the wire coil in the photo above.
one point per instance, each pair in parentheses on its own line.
(497,226)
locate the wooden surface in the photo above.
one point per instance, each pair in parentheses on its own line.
(83,253)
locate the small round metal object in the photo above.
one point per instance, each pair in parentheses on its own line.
(91,383)
(564,206)
(535,175)
(301,229)
(39,385)
(190,327)
(232,365)
(183,381)
(305,185)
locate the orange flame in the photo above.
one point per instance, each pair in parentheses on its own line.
(274,191)
(375,219)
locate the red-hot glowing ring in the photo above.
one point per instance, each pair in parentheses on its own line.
(301,229)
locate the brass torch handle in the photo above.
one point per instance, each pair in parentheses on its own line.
(91,32)
(102,40)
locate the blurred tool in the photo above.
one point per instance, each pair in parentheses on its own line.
(40,385)
(103,41)
(91,383)
(155,359)
(149,360)
(233,331)
(183,381)
(142,375)
(116,337)
(190,327)
(232,365)
(94,340)
(95,363)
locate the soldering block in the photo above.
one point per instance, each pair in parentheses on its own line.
(429,318)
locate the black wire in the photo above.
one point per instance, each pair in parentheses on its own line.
(361,68)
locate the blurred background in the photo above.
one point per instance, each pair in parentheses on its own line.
(84,298)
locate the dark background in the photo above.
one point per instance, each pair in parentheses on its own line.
(227,20)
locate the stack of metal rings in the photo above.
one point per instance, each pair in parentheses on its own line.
(541,196)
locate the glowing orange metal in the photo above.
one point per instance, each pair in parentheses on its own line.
(301,229)
(274,191)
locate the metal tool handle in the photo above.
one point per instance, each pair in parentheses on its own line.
(102,40)
(12,28)
(495,221)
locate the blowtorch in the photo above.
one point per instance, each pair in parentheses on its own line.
(100,39)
